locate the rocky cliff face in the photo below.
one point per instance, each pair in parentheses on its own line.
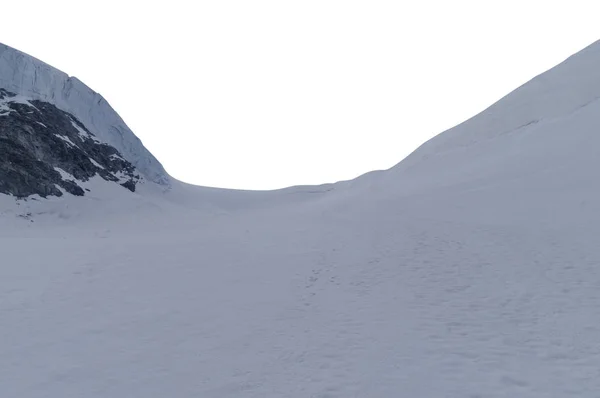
(46,151)
(26,76)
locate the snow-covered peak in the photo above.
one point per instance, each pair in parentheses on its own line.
(31,78)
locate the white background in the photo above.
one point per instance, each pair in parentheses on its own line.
(265,94)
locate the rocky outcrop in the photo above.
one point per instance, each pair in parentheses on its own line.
(46,151)
(29,77)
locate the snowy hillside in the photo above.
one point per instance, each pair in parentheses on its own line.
(489,141)
(471,269)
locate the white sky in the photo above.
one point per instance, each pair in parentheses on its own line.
(264,94)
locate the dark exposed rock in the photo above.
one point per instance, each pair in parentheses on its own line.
(37,139)
(129,184)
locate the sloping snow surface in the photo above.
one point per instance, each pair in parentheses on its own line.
(471,269)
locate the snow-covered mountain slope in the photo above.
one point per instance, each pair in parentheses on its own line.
(549,108)
(27,76)
(468,270)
